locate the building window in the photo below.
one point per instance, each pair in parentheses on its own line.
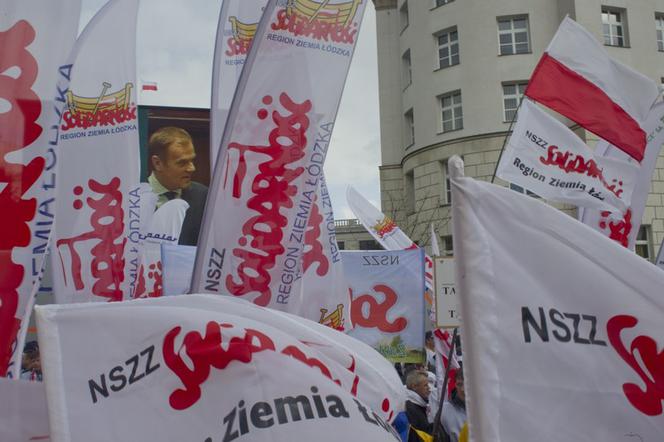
(446,196)
(437,3)
(403,15)
(614,26)
(448,48)
(406,72)
(520,189)
(642,246)
(659,26)
(409,121)
(451,111)
(341,245)
(409,196)
(513,35)
(369,244)
(448,246)
(512,94)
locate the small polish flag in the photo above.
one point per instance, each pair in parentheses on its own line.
(149,86)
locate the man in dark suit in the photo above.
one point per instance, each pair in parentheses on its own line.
(172,156)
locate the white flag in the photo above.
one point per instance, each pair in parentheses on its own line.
(277,136)
(97,205)
(209,368)
(435,250)
(624,230)
(546,157)
(562,328)
(238,22)
(35,39)
(23,412)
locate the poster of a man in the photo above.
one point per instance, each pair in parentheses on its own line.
(172,154)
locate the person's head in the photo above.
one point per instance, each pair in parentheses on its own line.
(460,385)
(172,155)
(418,381)
(31,360)
(428,340)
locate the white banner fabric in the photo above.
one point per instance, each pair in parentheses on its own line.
(624,230)
(209,368)
(387,303)
(238,22)
(553,348)
(23,412)
(547,158)
(278,133)
(178,265)
(98,164)
(35,40)
(385,230)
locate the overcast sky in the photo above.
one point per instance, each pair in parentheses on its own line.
(175,49)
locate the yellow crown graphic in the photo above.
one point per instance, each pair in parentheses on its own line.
(90,105)
(339,13)
(335,319)
(243,31)
(384,226)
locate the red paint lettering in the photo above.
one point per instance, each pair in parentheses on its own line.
(237,47)
(19,129)
(323,26)
(313,248)
(377,315)
(651,371)
(618,230)
(102,117)
(272,190)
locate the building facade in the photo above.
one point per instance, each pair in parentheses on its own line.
(451,74)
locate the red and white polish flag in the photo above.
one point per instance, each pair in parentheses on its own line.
(97,234)
(562,329)
(35,40)
(277,136)
(149,86)
(577,78)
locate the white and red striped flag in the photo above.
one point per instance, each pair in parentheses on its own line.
(577,78)
(97,234)
(277,135)
(35,40)
(149,86)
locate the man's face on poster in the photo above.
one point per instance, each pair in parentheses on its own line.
(176,169)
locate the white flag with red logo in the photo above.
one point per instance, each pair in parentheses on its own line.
(98,201)
(577,78)
(277,135)
(546,157)
(238,22)
(35,40)
(385,230)
(562,328)
(625,230)
(209,368)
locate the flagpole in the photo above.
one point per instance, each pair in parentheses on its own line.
(509,132)
(436,424)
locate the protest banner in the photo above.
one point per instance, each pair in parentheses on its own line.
(209,368)
(447,298)
(562,328)
(625,230)
(178,265)
(96,236)
(547,158)
(577,78)
(277,136)
(23,412)
(35,40)
(387,303)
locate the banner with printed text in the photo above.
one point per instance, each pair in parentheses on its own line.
(35,40)
(94,253)
(625,229)
(547,158)
(447,299)
(562,333)
(278,133)
(387,304)
(210,368)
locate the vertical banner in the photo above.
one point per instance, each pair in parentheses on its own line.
(210,368)
(278,133)
(23,411)
(447,299)
(388,307)
(238,22)
(624,230)
(35,40)
(98,201)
